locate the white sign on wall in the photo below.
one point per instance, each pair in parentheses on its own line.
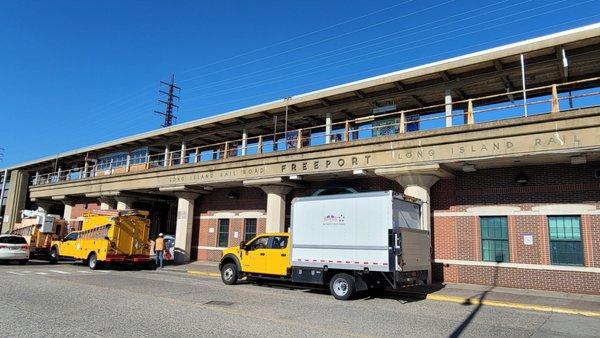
(236,234)
(528,239)
(211,230)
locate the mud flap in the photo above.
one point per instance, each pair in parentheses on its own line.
(359,283)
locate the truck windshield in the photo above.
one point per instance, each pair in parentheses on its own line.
(12,240)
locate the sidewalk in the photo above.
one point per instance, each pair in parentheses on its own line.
(536,300)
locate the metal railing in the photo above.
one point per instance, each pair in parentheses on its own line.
(398,122)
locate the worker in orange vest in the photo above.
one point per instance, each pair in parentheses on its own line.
(159,249)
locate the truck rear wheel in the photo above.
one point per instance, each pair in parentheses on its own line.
(93,262)
(342,286)
(229,274)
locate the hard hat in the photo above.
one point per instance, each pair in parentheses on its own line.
(160,235)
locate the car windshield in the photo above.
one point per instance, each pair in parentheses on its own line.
(12,240)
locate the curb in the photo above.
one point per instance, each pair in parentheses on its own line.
(472,300)
(498,303)
(204,273)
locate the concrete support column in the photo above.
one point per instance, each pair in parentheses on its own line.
(69,203)
(327,127)
(276,206)
(448,102)
(182,157)
(418,187)
(44,205)
(166,161)
(244,142)
(123,202)
(128,162)
(15,202)
(417,181)
(184,226)
(106,203)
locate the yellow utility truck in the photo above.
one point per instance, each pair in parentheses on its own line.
(107,237)
(351,242)
(40,229)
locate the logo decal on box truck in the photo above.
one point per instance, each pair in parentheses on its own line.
(334,220)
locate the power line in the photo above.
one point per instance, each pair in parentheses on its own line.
(270,56)
(98,110)
(287,90)
(294,38)
(169,104)
(338,51)
(395,50)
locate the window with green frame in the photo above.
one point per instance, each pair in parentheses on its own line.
(565,240)
(494,238)
(249,228)
(223,238)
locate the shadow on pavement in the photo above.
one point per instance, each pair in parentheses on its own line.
(118,267)
(403,295)
(465,323)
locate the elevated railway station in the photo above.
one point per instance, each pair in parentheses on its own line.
(502,146)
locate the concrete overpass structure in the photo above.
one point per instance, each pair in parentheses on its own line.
(504,121)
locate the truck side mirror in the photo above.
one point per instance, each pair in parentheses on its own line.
(243,245)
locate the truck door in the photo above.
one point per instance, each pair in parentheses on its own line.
(277,256)
(68,246)
(253,259)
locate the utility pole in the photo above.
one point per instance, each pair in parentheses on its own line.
(168,113)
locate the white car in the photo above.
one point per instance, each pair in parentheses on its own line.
(14,248)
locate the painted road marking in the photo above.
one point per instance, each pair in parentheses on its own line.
(83,271)
(61,272)
(41,273)
(15,273)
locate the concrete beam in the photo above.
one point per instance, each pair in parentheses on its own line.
(185,188)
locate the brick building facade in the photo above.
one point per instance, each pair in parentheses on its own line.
(551,192)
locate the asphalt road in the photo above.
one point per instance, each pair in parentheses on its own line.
(70,300)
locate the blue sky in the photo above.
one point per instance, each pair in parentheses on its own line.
(75,73)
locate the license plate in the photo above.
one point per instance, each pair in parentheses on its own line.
(13,248)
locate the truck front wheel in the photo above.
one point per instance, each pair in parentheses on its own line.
(93,262)
(342,286)
(229,274)
(53,255)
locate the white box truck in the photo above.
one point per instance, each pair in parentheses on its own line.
(353,242)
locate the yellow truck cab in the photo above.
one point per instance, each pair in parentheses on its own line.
(266,255)
(107,237)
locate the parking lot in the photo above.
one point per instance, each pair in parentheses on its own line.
(70,300)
